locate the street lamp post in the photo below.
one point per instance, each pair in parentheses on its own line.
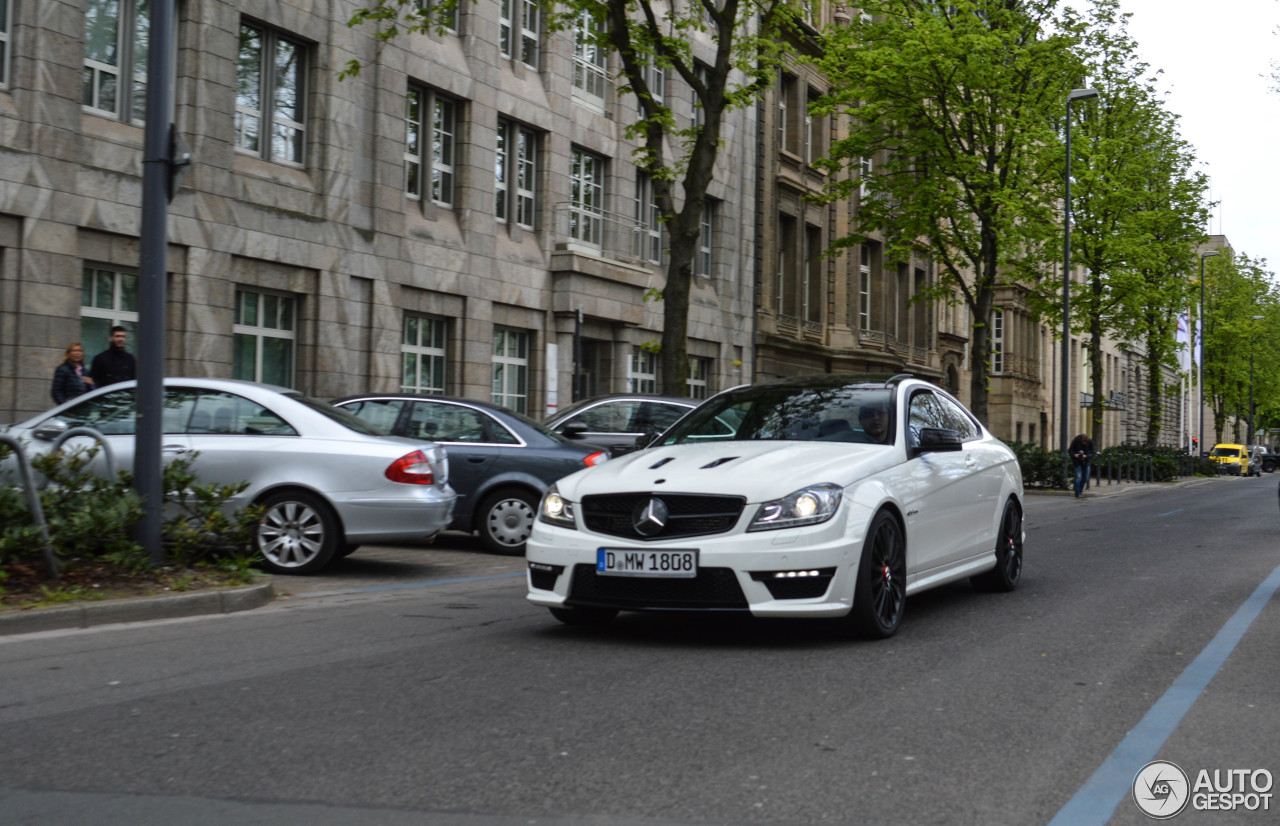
(1251,338)
(1200,329)
(1075,94)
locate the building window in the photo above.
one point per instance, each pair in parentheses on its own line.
(511,369)
(526,46)
(586,192)
(107,298)
(116,33)
(699,370)
(589,60)
(648,221)
(787,265)
(643,374)
(516,162)
(656,77)
(426,110)
(791,115)
(864,287)
(811,288)
(446,17)
(5,7)
(814,130)
(699,115)
(270,87)
(702,260)
(864,178)
(422,355)
(263,338)
(997,341)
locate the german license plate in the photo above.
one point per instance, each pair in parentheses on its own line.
(634,562)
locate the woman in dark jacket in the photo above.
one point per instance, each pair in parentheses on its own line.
(71,378)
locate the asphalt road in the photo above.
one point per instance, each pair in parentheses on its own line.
(415,685)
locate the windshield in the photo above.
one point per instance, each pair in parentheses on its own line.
(1232,452)
(859,413)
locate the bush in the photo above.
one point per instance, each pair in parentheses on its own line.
(1041,469)
(90,517)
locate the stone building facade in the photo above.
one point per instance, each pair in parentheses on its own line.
(450,220)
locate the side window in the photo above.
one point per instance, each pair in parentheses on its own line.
(380,414)
(662,416)
(228,414)
(447,423)
(957,419)
(611,418)
(114,414)
(178,408)
(924,412)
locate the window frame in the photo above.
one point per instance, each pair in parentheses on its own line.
(6,42)
(699,382)
(996,349)
(118,313)
(864,287)
(431,145)
(261,333)
(650,236)
(642,371)
(516,161)
(430,345)
(130,50)
(587,174)
(704,258)
(511,359)
(448,21)
(529,31)
(271,39)
(590,61)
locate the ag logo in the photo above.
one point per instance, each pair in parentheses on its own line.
(1161,789)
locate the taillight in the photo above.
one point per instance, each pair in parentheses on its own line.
(412,469)
(595,459)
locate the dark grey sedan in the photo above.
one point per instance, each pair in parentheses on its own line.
(500,462)
(614,422)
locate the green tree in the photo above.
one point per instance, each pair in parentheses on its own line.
(748,41)
(1137,209)
(959,101)
(1236,289)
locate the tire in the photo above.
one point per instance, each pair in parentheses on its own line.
(506,520)
(345,550)
(298,534)
(583,617)
(1269,466)
(1008,571)
(880,591)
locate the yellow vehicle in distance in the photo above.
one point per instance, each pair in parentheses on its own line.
(1235,458)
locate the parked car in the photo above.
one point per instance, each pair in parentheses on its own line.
(614,422)
(1257,459)
(328,481)
(500,461)
(835,496)
(1233,458)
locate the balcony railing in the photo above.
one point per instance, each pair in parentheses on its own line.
(601,233)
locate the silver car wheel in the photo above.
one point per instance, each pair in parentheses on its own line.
(508,521)
(296,535)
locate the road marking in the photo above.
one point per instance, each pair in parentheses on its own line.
(1097,799)
(1170,513)
(402,585)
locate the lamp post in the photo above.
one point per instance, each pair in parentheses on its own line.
(1075,94)
(1251,339)
(1200,325)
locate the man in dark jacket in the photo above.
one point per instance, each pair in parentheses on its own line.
(114,364)
(1082,451)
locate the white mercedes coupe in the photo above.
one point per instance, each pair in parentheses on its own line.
(835,496)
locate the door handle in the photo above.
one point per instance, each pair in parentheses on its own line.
(476,459)
(173,449)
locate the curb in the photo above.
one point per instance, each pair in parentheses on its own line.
(136,609)
(1105,490)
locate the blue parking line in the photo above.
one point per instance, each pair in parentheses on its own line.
(1170,513)
(402,585)
(1097,799)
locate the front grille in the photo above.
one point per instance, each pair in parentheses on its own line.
(713,589)
(688,514)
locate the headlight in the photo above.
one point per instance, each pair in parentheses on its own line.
(807,506)
(556,510)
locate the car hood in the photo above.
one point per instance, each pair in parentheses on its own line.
(760,471)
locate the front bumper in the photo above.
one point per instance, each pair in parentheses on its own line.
(796,572)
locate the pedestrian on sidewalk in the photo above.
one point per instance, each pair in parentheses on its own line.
(1081,452)
(71,378)
(114,364)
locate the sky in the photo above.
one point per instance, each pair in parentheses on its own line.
(1216,61)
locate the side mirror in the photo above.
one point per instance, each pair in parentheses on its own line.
(573,430)
(937,440)
(50,430)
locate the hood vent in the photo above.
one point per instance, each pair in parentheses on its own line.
(661,462)
(717,462)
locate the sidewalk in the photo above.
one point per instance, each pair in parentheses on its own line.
(1104,490)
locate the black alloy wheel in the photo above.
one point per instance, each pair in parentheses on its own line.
(880,592)
(1008,571)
